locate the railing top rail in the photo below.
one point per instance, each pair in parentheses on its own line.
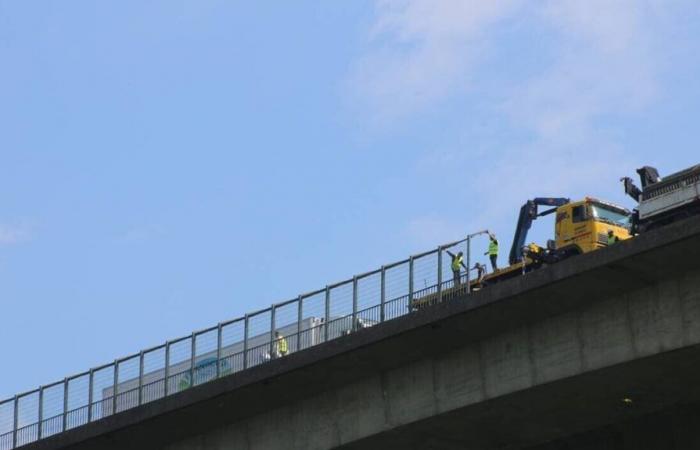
(312,293)
(397,263)
(206,330)
(288,302)
(72,377)
(154,348)
(339,283)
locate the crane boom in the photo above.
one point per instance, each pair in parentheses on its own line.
(528,213)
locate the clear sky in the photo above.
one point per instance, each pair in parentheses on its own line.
(168,164)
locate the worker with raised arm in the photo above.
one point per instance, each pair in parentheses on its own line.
(280,347)
(457,264)
(493,251)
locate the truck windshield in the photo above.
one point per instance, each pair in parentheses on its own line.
(610,216)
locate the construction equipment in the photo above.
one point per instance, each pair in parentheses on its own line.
(528,213)
(590,224)
(663,201)
(580,227)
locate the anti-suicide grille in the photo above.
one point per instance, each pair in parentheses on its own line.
(661,190)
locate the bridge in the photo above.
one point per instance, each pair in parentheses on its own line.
(598,351)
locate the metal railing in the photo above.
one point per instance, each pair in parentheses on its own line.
(310,319)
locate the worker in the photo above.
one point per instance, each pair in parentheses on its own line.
(612,238)
(457,264)
(480,271)
(280,347)
(493,251)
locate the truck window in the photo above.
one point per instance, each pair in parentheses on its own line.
(610,216)
(578,213)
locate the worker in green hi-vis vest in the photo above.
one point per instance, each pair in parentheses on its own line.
(493,251)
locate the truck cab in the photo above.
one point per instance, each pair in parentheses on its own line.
(583,226)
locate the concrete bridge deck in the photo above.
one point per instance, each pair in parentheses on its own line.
(541,358)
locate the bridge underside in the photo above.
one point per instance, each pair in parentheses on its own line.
(666,386)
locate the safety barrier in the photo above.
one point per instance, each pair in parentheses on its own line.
(232,346)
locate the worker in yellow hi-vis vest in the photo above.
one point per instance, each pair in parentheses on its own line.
(457,264)
(280,347)
(493,251)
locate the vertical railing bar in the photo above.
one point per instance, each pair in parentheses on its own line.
(15,421)
(219,338)
(327,314)
(167,368)
(439,277)
(41,411)
(140,378)
(116,387)
(354,304)
(245,341)
(193,354)
(300,318)
(272,329)
(91,386)
(382,295)
(410,280)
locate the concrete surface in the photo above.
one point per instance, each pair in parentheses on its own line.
(531,360)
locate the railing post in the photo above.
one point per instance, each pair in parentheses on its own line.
(65,404)
(410,280)
(300,318)
(327,314)
(116,387)
(15,421)
(354,303)
(382,295)
(245,342)
(439,274)
(91,386)
(469,263)
(41,411)
(272,329)
(167,368)
(140,378)
(193,354)
(219,339)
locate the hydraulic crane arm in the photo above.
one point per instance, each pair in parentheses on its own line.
(528,213)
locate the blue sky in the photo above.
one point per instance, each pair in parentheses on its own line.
(165,165)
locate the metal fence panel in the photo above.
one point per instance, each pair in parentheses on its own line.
(232,335)
(341,308)
(128,383)
(425,273)
(287,323)
(7,421)
(27,418)
(396,288)
(78,392)
(102,388)
(153,383)
(313,313)
(52,410)
(180,365)
(205,356)
(259,326)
